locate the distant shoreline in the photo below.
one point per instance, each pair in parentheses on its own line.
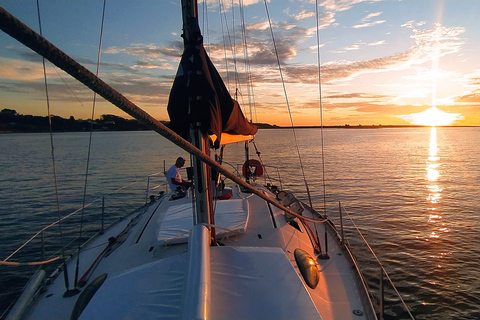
(260,126)
(364,127)
(12,122)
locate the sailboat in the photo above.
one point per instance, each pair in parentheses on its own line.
(230,247)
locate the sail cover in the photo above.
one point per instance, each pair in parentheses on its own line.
(199,97)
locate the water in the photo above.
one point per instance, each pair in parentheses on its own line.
(413,191)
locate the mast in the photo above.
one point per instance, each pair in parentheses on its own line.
(25,35)
(202,180)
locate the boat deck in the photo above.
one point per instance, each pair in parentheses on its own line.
(146,269)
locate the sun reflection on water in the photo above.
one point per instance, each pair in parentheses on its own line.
(434,191)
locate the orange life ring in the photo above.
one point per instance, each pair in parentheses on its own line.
(258,172)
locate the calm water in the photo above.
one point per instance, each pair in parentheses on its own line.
(414,192)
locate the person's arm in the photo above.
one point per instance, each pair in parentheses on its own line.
(175,182)
(187,183)
(181,183)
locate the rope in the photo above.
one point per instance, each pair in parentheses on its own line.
(288,104)
(238,85)
(206,29)
(221,10)
(234,49)
(321,109)
(260,158)
(321,117)
(52,148)
(90,143)
(248,75)
(35,263)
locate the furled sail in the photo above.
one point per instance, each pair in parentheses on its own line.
(199,97)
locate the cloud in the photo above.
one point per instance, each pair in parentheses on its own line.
(342,5)
(20,70)
(436,42)
(150,65)
(412,24)
(353,47)
(429,44)
(358,45)
(304,15)
(287,38)
(469,98)
(355,95)
(172,49)
(327,19)
(226,5)
(377,43)
(369,24)
(372,15)
(263,25)
(472,97)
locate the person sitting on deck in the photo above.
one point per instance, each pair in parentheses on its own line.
(174,177)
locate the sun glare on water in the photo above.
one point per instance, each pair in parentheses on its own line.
(432,117)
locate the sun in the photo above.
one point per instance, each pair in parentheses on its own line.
(432,117)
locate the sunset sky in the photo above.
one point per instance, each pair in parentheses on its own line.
(382,62)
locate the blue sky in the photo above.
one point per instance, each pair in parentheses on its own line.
(383,62)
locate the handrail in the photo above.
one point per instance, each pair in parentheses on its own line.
(147,191)
(383,271)
(41,231)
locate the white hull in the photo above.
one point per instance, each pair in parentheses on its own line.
(251,274)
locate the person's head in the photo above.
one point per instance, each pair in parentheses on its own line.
(180,162)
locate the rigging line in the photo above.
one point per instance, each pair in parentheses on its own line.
(90,142)
(52,148)
(251,101)
(288,104)
(65,82)
(259,157)
(234,46)
(236,76)
(207,29)
(321,109)
(376,258)
(321,121)
(222,11)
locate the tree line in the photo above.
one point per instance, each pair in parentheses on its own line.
(11,121)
